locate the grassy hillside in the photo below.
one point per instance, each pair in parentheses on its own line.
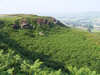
(60,51)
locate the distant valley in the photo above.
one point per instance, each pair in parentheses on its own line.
(87,21)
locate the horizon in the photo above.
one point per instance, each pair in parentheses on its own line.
(48,7)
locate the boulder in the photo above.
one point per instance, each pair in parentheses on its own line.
(41,33)
(24,23)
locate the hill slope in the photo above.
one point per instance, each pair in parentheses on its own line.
(58,48)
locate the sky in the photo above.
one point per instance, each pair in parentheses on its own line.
(48,7)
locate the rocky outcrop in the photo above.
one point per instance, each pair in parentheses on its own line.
(23,24)
(42,21)
(47,21)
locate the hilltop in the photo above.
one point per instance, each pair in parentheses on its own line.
(29,21)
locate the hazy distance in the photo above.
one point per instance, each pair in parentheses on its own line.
(48,7)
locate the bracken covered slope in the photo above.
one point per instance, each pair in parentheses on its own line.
(45,49)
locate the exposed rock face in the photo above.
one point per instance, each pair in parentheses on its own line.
(40,21)
(54,20)
(25,24)
(46,21)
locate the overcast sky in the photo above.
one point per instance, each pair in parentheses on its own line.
(48,7)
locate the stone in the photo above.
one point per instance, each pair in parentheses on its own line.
(24,23)
(41,33)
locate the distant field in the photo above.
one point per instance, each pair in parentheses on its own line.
(95,30)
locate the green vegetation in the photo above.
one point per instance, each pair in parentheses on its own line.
(60,51)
